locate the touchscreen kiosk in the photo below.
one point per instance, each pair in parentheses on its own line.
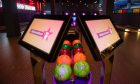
(45,34)
(100,34)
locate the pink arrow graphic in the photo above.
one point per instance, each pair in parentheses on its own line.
(104,33)
(45,35)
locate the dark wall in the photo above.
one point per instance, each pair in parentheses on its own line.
(23,16)
(1,17)
(126,19)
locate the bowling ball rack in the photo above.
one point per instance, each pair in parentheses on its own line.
(75,79)
(106,66)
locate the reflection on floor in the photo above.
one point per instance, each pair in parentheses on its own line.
(126,64)
(16,67)
(15,64)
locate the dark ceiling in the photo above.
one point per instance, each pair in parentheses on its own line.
(77,6)
(72,1)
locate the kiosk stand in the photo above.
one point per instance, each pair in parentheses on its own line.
(45,35)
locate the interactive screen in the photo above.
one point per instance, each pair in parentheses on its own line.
(42,33)
(103,33)
(126,6)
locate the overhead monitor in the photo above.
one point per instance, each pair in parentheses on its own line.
(126,6)
(45,34)
(100,34)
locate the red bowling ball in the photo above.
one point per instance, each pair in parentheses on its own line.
(79,49)
(64,52)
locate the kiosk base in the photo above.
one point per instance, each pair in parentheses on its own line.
(77,80)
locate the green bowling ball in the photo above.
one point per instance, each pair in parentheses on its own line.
(77,46)
(65,46)
(81,69)
(62,72)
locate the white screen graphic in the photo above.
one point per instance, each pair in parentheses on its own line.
(103,32)
(42,33)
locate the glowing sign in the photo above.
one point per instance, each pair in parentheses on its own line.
(22,6)
(28,7)
(25,7)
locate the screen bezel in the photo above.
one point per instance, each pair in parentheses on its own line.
(50,57)
(90,40)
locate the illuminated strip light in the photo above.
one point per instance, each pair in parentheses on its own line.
(0,3)
(23,6)
(104,33)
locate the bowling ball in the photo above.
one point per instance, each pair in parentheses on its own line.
(62,72)
(65,46)
(63,59)
(77,45)
(81,69)
(79,49)
(79,57)
(77,41)
(67,42)
(64,52)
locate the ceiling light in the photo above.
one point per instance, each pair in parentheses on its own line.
(95,14)
(74,13)
(83,14)
(66,13)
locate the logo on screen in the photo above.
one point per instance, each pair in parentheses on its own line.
(44,34)
(104,33)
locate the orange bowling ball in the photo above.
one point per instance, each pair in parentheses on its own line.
(67,42)
(63,59)
(79,57)
(77,41)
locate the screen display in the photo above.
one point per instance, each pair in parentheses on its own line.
(42,33)
(126,6)
(103,33)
